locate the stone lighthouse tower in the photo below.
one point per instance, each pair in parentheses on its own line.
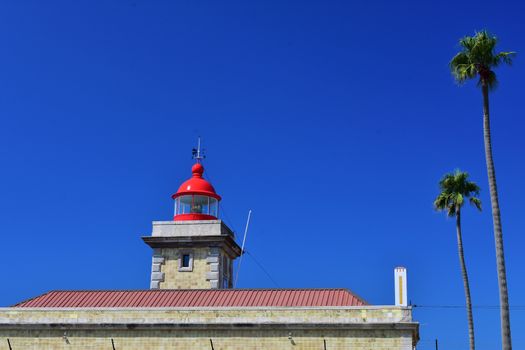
(196,249)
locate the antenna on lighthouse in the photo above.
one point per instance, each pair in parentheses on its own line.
(197,153)
(242,249)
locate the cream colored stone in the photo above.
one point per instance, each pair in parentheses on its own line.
(222,340)
(386,327)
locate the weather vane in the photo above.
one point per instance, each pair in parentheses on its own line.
(198,153)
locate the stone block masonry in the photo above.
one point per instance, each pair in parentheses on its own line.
(211,249)
(357,328)
(275,339)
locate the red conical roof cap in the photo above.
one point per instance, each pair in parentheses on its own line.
(196,185)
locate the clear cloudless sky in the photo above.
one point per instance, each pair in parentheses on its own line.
(332,120)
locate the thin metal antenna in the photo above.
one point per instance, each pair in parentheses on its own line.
(242,248)
(198,153)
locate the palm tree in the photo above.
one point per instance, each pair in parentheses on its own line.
(477,59)
(455,188)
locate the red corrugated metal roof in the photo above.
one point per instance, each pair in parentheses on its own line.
(195,298)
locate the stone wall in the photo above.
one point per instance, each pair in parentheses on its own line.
(208,339)
(358,328)
(212,248)
(205,271)
(193,279)
(351,315)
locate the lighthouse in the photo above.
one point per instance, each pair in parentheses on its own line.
(192,304)
(196,249)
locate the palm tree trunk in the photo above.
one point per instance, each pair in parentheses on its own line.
(496,218)
(465,280)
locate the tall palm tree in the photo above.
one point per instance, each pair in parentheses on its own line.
(455,188)
(477,59)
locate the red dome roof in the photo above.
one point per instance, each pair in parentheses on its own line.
(197,185)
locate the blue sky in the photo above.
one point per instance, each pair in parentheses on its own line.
(332,120)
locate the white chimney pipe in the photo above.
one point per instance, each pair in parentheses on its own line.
(400,282)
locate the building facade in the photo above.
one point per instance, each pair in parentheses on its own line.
(191,303)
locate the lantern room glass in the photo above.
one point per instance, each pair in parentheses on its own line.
(196,204)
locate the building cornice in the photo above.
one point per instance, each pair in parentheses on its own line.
(225,242)
(215,326)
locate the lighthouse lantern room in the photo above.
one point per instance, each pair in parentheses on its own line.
(196,198)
